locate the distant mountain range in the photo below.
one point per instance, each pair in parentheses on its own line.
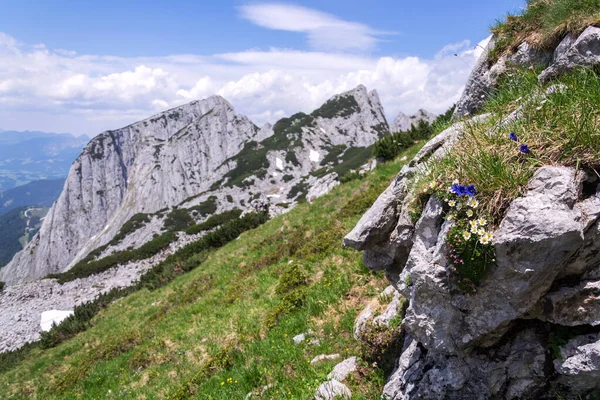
(29,156)
(38,193)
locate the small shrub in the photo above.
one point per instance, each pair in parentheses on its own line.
(289,302)
(178,220)
(214,221)
(83,268)
(351,176)
(388,147)
(292,278)
(134,223)
(207,207)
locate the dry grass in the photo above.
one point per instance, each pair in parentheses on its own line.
(562,129)
(544,23)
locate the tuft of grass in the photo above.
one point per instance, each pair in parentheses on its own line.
(543,24)
(563,129)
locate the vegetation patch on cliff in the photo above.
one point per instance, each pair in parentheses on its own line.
(339,106)
(214,221)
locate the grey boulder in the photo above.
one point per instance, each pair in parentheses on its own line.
(584,51)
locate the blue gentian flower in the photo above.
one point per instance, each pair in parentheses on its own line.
(524,149)
(470,190)
(513,137)
(456,189)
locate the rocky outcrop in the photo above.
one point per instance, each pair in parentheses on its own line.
(403,122)
(385,232)
(494,343)
(334,388)
(380,314)
(485,74)
(322,186)
(200,152)
(514,370)
(573,52)
(579,364)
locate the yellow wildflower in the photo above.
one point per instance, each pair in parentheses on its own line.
(452,203)
(469,213)
(432,185)
(484,240)
(467,235)
(473,229)
(481,232)
(481,221)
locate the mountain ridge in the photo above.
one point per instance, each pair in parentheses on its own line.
(189,154)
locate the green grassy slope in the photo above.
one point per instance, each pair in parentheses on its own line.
(225,329)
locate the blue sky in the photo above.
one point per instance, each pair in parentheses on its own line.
(87,66)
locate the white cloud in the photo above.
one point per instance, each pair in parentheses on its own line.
(324,31)
(57,90)
(203,88)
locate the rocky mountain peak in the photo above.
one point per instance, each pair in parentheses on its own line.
(404,122)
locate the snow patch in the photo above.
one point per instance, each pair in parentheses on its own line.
(279,163)
(314,156)
(52,317)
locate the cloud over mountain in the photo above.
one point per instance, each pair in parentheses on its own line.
(58,89)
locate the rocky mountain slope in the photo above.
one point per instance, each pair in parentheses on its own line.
(198,153)
(403,122)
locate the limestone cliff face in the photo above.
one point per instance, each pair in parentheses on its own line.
(189,154)
(143,167)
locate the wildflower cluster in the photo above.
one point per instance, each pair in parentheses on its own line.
(469,241)
(229,381)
